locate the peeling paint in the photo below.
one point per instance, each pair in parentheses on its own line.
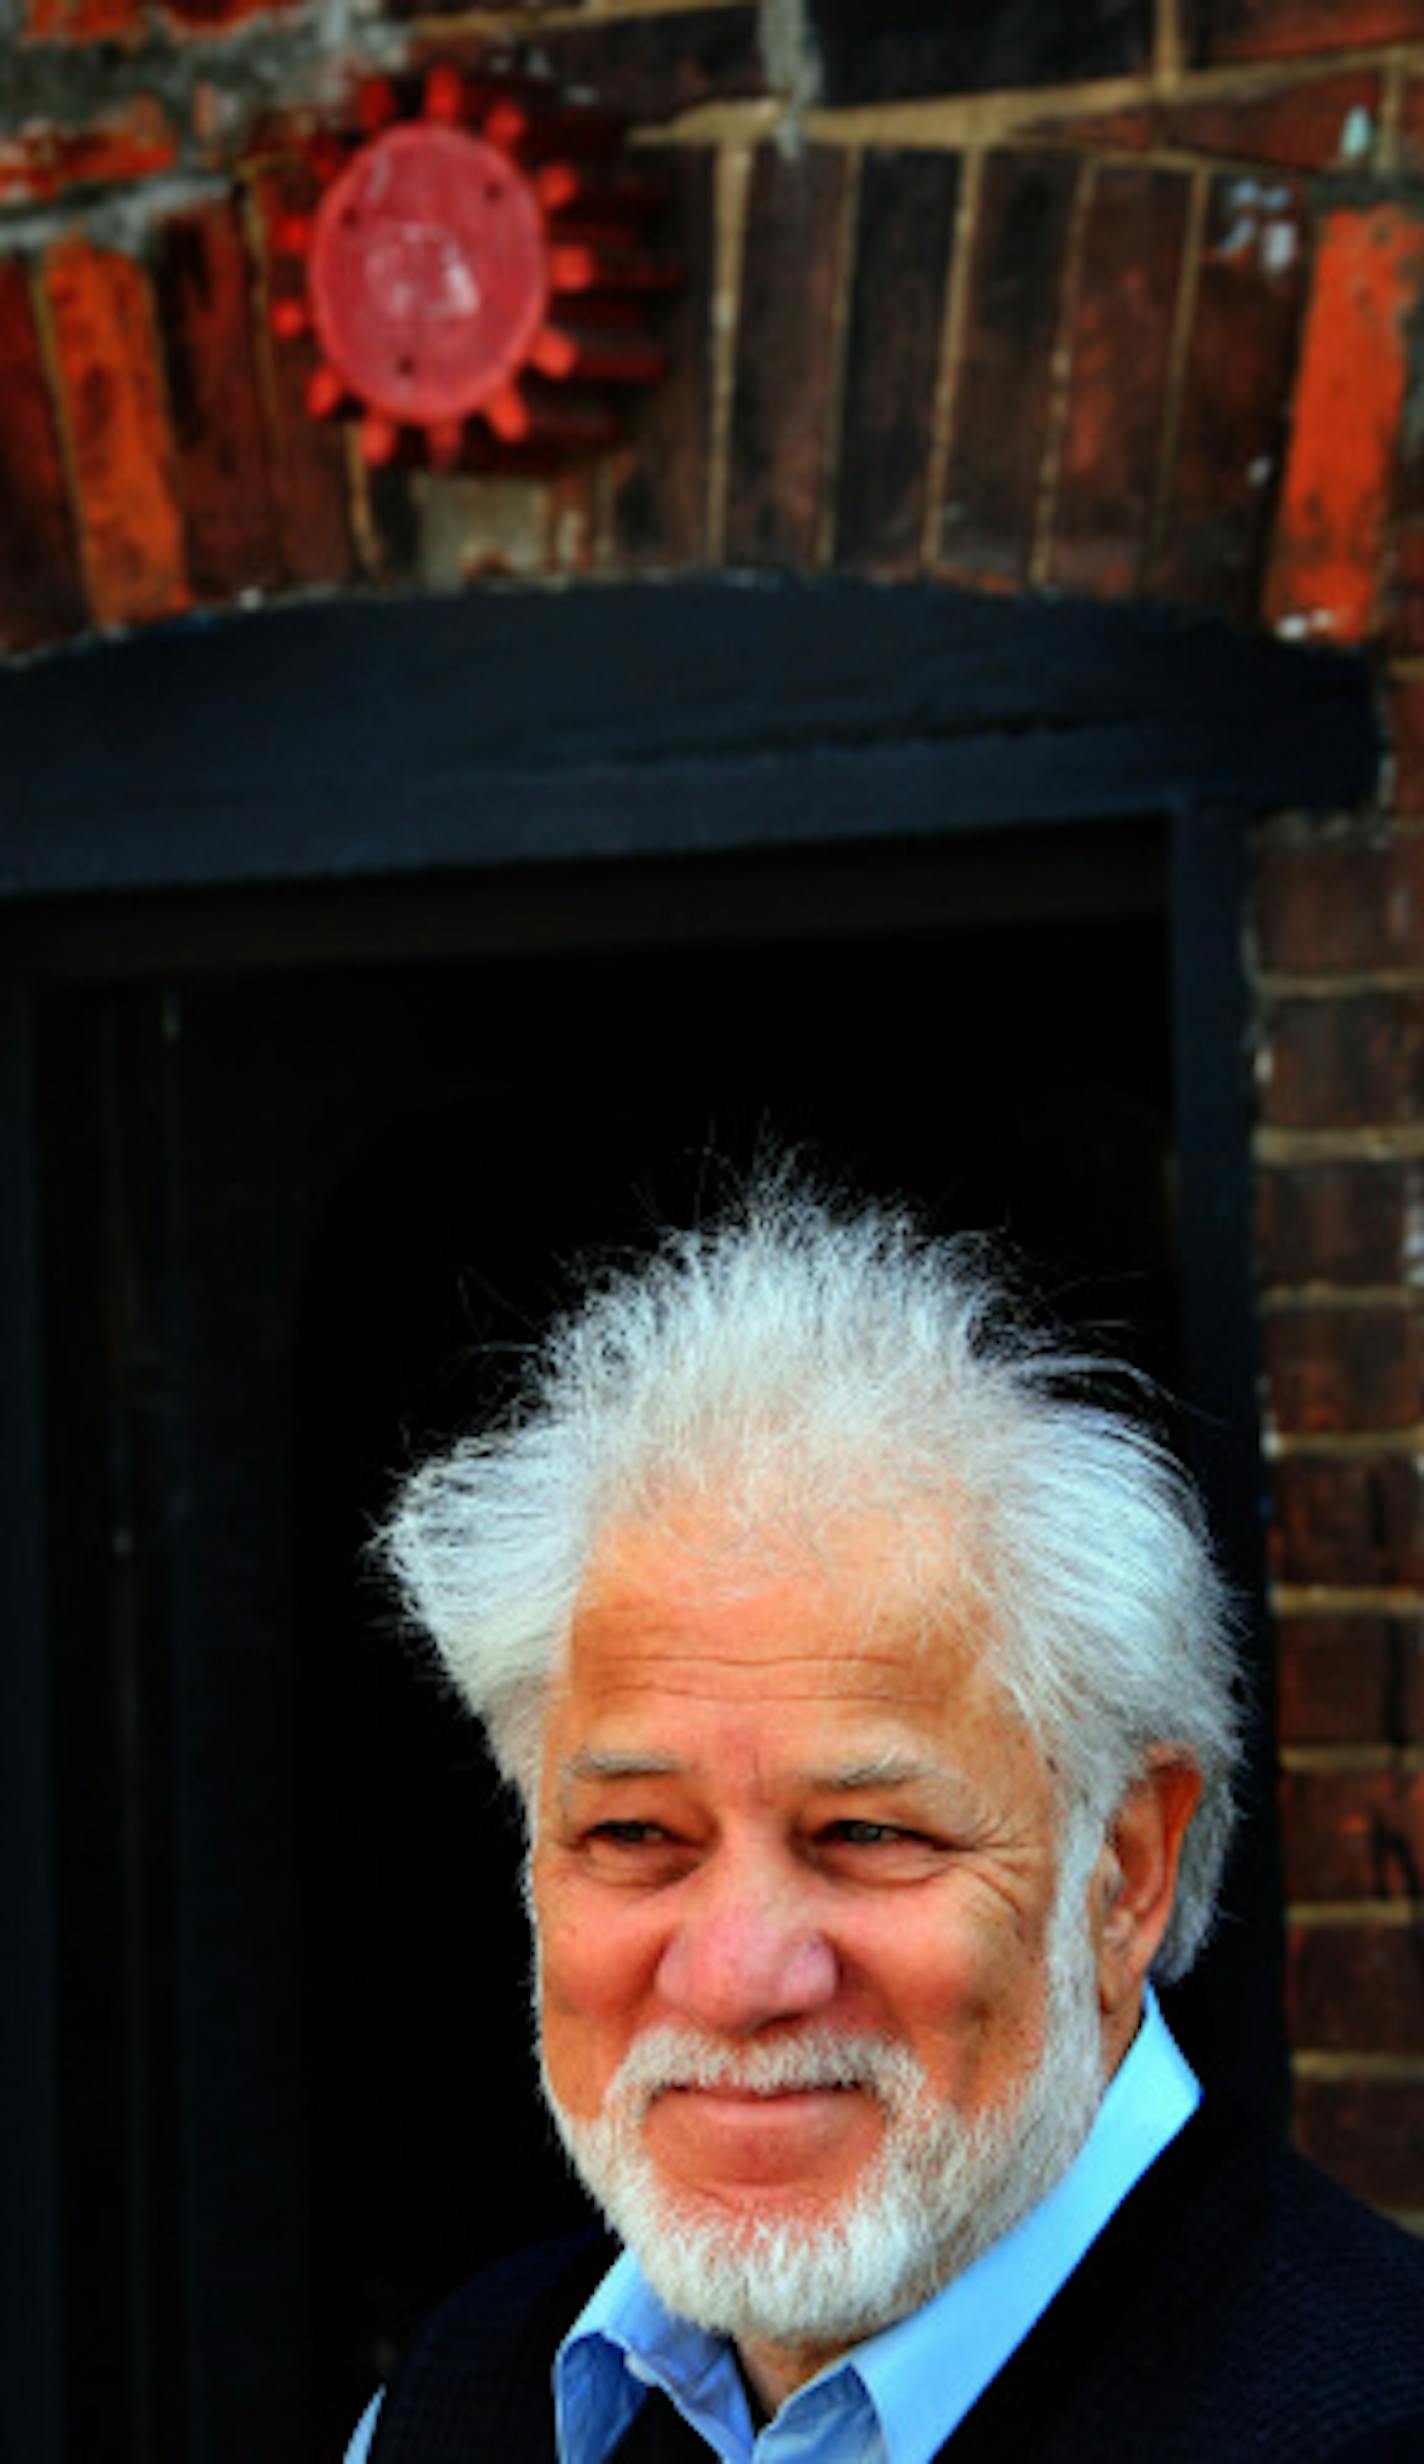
(1412,1254)
(1261,220)
(1301,625)
(1357,135)
(792,61)
(1280,245)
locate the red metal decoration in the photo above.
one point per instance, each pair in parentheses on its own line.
(476,275)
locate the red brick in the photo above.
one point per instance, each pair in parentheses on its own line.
(129,143)
(84,21)
(41,596)
(1404,590)
(1355,1988)
(904,232)
(1339,1223)
(1326,555)
(1352,1834)
(1132,131)
(217,16)
(1368,2133)
(648,67)
(1235,386)
(1304,127)
(1334,1369)
(1004,383)
(1405,724)
(309,456)
(1356,1521)
(204,302)
(120,446)
(1307,126)
(1411,125)
(876,51)
(1346,1063)
(1401,589)
(782,408)
(661,481)
(1293,29)
(1342,906)
(1350,1680)
(1120,342)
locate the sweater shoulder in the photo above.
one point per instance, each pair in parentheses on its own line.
(1240,2304)
(478,2368)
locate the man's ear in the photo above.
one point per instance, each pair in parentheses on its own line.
(1134,1884)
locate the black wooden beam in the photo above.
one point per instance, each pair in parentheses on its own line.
(1236,2008)
(32,2361)
(395,739)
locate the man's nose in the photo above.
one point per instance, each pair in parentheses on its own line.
(745,1954)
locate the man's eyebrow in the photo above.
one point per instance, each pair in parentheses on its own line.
(887,1770)
(595,1763)
(950,1795)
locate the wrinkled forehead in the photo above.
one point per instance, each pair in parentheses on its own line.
(867,1612)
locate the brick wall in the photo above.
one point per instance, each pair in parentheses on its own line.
(1120,297)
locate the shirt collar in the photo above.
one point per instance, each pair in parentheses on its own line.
(919,2377)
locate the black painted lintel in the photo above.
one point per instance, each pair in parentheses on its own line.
(398,738)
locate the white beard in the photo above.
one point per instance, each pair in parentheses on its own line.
(938,2192)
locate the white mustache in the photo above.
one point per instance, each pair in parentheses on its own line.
(672,2057)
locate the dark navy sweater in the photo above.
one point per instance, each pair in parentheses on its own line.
(1238,2309)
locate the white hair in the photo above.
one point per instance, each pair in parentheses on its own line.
(791,1369)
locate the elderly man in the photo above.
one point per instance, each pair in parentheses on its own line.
(869,1689)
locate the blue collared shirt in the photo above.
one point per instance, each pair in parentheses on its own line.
(896,2398)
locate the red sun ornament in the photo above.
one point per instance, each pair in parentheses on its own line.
(476,276)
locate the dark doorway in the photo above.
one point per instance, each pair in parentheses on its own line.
(312,1078)
(1014,1073)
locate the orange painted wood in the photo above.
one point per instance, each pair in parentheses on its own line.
(40,161)
(1292,29)
(83,21)
(1335,498)
(1117,388)
(122,453)
(205,307)
(41,597)
(1004,389)
(1312,124)
(904,233)
(1235,391)
(782,407)
(309,456)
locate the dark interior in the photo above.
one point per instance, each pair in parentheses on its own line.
(1012,1074)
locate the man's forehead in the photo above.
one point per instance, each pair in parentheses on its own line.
(875,1563)
(845,1620)
(827,1670)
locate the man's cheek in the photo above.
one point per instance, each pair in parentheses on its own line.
(578,2066)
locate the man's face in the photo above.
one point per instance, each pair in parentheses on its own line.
(777,1815)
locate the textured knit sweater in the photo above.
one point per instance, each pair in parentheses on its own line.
(1238,2307)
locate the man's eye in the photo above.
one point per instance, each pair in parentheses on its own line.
(628,1834)
(883,1851)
